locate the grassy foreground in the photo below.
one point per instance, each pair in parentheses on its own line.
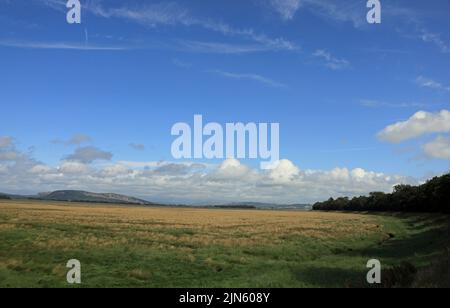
(173,247)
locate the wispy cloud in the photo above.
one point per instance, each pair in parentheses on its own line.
(152,15)
(425,82)
(172,14)
(181,64)
(59,45)
(370,103)
(331,61)
(435,39)
(251,77)
(286,8)
(353,12)
(413,22)
(218,48)
(340,11)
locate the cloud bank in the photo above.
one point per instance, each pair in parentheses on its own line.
(185,182)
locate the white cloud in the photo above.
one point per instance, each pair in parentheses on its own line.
(371,103)
(331,61)
(172,14)
(340,11)
(229,182)
(40,169)
(419,124)
(59,45)
(230,169)
(115,170)
(359,173)
(190,182)
(71,167)
(220,48)
(340,174)
(286,8)
(165,13)
(252,77)
(169,14)
(142,165)
(435,39)
(284,171)
(343,11)
(438,148)
(430,83)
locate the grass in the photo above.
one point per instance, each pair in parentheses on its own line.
(181,247)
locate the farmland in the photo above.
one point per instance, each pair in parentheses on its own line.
(123,246)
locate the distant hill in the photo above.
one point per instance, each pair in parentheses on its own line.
(90,197)
(79,196)
(85,196)
(4,197)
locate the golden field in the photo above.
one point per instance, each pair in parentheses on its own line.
(172,247)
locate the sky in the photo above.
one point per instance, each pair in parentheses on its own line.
(362,107)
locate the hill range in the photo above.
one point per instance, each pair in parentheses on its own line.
(111,198)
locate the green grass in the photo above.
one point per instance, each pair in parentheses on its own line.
(35,246)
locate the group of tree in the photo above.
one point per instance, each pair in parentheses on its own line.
(431,197)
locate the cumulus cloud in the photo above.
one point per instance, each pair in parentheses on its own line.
(229,182)
(88,155)
(230,169)
(438,148)
(187,182)
(283,171)
(419,124)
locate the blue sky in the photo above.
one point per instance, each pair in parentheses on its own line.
(134,68)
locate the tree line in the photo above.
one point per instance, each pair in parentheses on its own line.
(431,197)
